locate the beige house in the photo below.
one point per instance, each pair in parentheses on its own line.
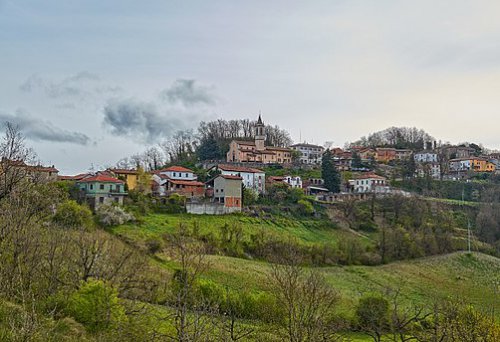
(256,151)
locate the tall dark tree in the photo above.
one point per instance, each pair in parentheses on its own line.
(329,172)
(209,149)
(356,160)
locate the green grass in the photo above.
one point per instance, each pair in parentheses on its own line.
(423,281)
(307,230)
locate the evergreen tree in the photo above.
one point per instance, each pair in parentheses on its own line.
(209,149)
(356,160)
(329,172)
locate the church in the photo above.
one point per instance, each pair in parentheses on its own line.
(256,151)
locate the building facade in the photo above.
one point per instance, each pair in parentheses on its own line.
(252,178)
(256,151)
(309,154)
(228,190)
(368,183)
(101,189)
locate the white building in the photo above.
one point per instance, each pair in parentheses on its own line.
(426,157)
(309,154)
(431,169)
(293,181)
(367,183)
(252,178)
(461,164)
(176,173)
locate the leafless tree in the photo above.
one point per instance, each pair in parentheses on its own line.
(306,298)
(192,317)
(15,158)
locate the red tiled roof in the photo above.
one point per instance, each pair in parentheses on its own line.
(185,182)
(239,169)
(231,177)
(123,171)
(101,178)
(276,178)
(77,177)
(245,142)
(177,169)
(271,148)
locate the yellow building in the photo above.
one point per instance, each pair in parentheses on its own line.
(129,176)
(482,165)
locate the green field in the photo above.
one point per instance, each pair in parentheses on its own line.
(305,230)
(421,281)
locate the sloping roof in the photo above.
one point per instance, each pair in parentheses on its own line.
(369,176)
(75,177)
(100,178)
(272,148)
(306,145)
(245,142)
(239,169)
(185,182)
(231,177)
(124,171)
(177,169)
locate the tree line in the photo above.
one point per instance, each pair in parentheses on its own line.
(209,142)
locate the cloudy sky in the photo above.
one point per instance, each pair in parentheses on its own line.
(93,81)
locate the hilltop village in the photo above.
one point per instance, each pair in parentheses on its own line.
(252,166)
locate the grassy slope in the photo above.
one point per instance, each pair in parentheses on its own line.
(421,280)
(305,230)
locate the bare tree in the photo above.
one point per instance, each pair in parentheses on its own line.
(15,158)
(191,317)
(306,298)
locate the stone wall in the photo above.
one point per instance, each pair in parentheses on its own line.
(210,208)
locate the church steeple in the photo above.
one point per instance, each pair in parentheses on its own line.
(260,135)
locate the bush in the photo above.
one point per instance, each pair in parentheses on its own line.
(153,245)
(305,207)
(110,215)
(96,306)
(72,214)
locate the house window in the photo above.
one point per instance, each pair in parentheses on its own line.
(110,187)
(186,175)
(91,186)
(101,200)
(101,186)
(175,174)
(117,199)
(117,188)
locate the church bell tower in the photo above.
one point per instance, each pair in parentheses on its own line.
(260,135)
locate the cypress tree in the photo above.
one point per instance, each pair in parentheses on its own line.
(329,172)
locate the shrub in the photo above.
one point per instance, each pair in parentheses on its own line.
(72,214)
(305,207)
(96,305)
(153,245)
(109,215)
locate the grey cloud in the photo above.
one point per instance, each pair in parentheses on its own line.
(188,93)
(140,121)
(40,130)
(80,85)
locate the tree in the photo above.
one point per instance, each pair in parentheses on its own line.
(306,299)
(190,317)
(372,314)
(95,304)
(329,172)
(14,159)
(208,149)
(73,215)
(356,161)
